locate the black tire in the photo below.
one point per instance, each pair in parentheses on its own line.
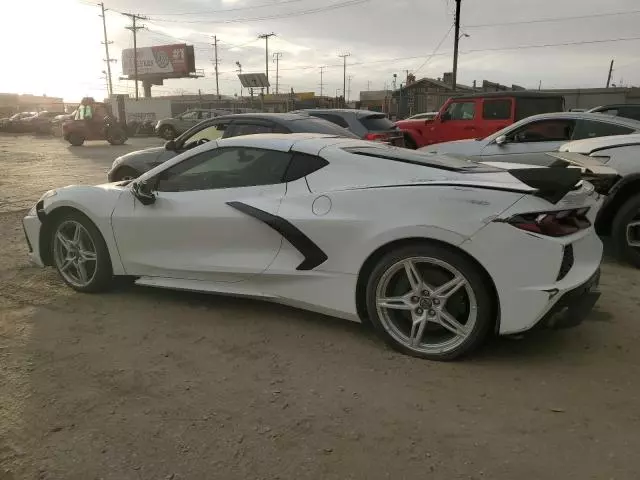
(125,173)
(410,143)
(476,280)
(103,278)
(76,139)
(167,132)
(629,211)
(116,136)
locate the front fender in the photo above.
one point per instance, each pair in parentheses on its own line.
(96,203)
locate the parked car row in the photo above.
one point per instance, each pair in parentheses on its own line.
(31,122)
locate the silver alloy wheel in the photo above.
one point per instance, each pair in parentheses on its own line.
(75,253)
(415,311)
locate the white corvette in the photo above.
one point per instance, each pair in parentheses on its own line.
(436,252)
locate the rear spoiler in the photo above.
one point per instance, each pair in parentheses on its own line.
(552,184)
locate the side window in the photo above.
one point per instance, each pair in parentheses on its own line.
(496,109)
(205,114)
(189,116)
(544,131)
(302,165)
(630,112)
(240,129)
(591,129)
(231,167)
(212,132)
(461,111)
(337,119)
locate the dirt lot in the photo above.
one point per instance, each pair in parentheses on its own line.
(150,384)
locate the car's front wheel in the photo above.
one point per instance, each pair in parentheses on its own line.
(80,254)
(430,301)
(626,231)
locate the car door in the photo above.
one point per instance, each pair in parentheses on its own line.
(188,120)
(497,113)
(191,231)
(544,135)
(457,122)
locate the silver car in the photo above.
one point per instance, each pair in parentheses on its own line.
(170,128)
(539,133)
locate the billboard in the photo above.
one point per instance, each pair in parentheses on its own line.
(160,61)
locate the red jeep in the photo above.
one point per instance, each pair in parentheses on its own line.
(477,116)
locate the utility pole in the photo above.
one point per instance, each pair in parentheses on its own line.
(456,40)
(239,70)
(276,59)
(344,73)
(266,57)
(106,50)
(610,73)
(321,78)
(368,85)
(215,53)
(134,29)
(349,88)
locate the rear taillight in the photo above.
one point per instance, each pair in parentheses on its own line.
(376,136)
(553,224)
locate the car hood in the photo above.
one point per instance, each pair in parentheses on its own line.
(460,147)
(146,157)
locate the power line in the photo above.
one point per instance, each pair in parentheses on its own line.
(335,6)
(238,9)
(556,19)
(435,50)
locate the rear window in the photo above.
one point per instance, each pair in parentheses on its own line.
(496,109)
(415,157)
(377,123)
(317,125)
(526,107)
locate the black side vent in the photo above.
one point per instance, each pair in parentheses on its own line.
(567,262)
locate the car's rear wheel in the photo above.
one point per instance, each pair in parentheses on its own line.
(430,301)
(116,136)
(75,139)
(626,231)
(80,254)
(167,132)
(125,173)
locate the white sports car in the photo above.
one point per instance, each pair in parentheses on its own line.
(436,252)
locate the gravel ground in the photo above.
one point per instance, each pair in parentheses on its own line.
(152,384)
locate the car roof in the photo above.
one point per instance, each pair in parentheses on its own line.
(590,145)
(339,111)
(596,117)
(285,117)
(509,93)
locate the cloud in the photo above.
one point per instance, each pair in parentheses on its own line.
(383,38)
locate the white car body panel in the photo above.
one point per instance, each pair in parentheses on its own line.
(195,240)
(487,147)
(621,152)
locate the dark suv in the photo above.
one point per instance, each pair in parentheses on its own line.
(619,110)
(133,164)
(365,124)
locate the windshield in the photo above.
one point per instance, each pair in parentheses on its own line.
(426,159)
(317,125)
(377,122)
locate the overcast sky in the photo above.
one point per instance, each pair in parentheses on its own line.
(57,51)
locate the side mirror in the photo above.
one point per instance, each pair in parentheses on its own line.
(170,145)
(501,140)
(142,191)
